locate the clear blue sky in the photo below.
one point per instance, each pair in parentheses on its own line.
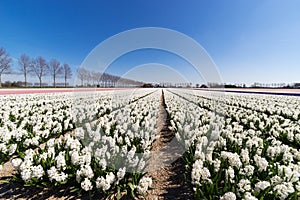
(250,41)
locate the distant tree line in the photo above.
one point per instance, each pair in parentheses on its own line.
(174,85)
(97,79)
(38,67)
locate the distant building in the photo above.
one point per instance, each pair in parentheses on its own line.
(147,85)
(38,84)
(60,84)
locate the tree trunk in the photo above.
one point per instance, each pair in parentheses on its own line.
(40,82)
(65,81)
(25,79)
(0,81)
(54,81)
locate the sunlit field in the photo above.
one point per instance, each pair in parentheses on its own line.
(236,146)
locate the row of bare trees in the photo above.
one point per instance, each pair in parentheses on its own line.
(41,68)
(91,78)
(35,66)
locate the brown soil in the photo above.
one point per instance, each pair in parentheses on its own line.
(7,170)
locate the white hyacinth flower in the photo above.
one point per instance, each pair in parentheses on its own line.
(86,184)
(228,196)
(16,162)
(262,185)
(144,184)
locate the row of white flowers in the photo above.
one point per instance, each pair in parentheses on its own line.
(237,150)
(28,120)
(107,151)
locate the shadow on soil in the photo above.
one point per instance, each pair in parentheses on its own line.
(184,187)
(19,191)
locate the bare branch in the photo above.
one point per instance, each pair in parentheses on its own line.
(67,73)
(25,63)
(40,67)
(55,70)
(5,61)
(82,74)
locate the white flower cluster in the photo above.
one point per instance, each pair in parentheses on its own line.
(55,175)
(105,183)
(254,135)
(200,173)
(228,196)
(121,136)
(29,120)
(27,168)
(144,185)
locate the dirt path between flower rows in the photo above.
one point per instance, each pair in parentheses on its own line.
(168,169)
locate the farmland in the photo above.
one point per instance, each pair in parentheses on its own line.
(101,143)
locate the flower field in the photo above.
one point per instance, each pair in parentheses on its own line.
(237,146)
(240,146)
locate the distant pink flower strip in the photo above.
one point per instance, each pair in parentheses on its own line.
(38,91)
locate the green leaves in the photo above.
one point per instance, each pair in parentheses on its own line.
(131,186)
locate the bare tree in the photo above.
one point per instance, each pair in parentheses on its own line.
(67,73)
(40,67)
(5,61)
(55,70)
(25,63)
(97,76)
(88,78)
(83,75)
(94,77)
